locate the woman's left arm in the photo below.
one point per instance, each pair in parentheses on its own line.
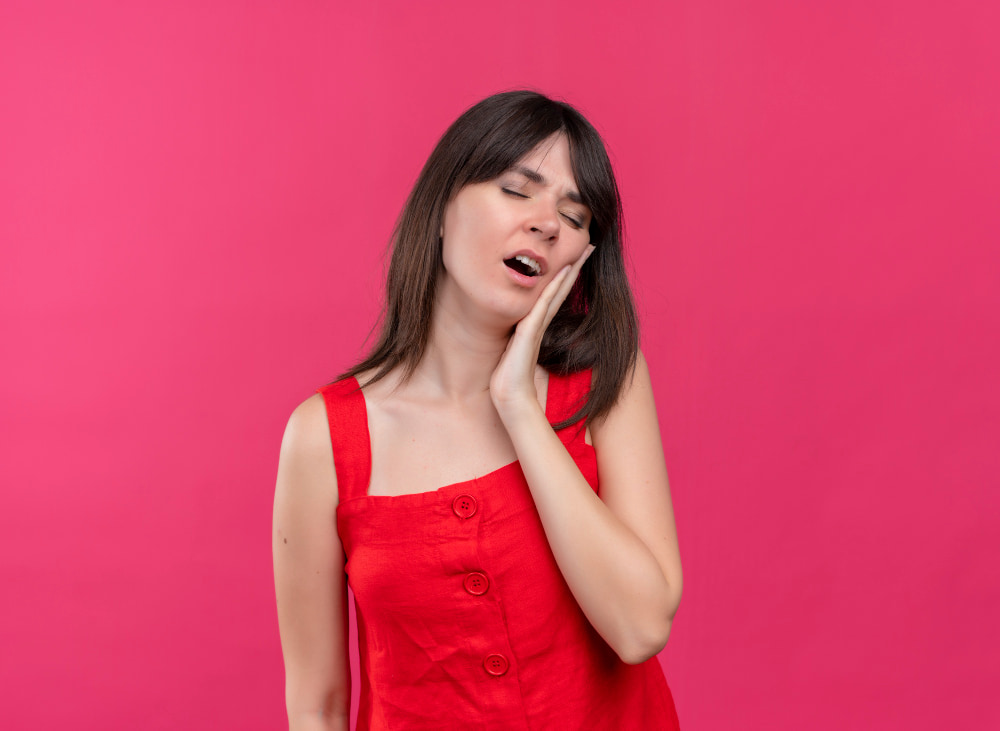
(618,552)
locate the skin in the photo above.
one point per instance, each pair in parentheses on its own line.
(475,403)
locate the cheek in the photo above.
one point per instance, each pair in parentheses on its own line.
(452,235)
(468,240)
(461,252)
(579,245)
(458,223)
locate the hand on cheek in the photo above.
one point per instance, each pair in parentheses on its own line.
(512,386)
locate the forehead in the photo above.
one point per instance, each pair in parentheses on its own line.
(550,154)
(550,164)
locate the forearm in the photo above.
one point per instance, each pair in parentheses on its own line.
(613,575)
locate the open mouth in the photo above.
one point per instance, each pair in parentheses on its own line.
(524,265)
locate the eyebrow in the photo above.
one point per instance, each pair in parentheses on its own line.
(536,177)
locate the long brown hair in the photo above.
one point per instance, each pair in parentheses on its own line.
(596,327)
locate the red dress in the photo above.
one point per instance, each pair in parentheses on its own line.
(464,619)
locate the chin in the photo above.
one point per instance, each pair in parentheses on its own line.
(507,312)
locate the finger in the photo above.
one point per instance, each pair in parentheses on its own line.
(554,294)
(538,315)
(566,285)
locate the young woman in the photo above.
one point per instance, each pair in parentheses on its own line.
(490,479)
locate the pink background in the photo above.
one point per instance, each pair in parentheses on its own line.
(194,205)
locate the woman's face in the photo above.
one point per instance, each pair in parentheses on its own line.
(505,239)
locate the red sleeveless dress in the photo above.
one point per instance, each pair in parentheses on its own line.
(464,619)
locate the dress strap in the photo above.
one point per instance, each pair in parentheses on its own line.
(565,397)
(352,451)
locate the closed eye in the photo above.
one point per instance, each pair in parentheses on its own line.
(508,191)
(573,221)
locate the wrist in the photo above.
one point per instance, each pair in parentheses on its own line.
(520,411)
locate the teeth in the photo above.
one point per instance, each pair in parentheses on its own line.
(529,262)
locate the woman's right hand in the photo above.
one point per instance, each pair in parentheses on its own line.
(309,577)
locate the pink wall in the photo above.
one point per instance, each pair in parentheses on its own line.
(195,198)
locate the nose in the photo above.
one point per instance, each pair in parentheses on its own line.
(544,221)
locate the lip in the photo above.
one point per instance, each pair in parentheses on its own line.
(521,279)
(534,255)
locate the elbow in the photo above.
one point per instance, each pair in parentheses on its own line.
(641,647)
(647,639)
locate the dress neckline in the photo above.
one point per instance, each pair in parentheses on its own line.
(430,494)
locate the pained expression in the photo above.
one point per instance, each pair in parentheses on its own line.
(505,239)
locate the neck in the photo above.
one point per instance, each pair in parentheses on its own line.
(461,354)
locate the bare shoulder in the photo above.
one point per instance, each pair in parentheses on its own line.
(640,375)
(634,402)
(307,433)
(305,466)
